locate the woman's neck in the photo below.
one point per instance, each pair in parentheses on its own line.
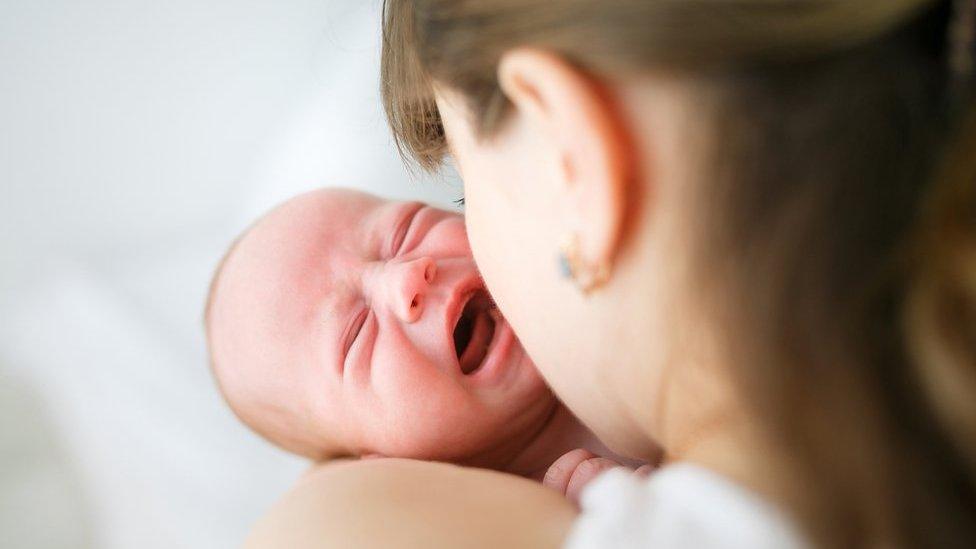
(733,445)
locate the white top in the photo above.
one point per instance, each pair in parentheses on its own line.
(680,505)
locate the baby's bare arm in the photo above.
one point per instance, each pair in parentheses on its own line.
(406,503)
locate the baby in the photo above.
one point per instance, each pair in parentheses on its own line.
(341,324)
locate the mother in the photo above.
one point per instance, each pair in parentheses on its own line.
(766,211)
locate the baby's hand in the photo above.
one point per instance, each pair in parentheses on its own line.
(575,469)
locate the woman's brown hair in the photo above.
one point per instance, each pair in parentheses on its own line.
(839,232)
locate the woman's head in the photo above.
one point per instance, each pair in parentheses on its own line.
(755,177)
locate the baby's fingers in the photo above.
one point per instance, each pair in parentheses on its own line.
(584,473)
(561,471)
(644,471)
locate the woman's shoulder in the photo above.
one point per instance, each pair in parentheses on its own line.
(680,505)
(407,503)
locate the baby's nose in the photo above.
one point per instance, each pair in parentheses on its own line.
(409,283)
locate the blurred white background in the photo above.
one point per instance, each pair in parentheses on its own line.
(136,139)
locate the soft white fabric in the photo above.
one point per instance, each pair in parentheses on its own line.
(681,505)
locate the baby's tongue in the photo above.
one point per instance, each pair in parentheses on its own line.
(481,333)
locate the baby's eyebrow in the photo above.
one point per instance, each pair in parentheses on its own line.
(389,221)
(372,228)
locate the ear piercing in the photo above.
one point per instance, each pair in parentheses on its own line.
(572,265)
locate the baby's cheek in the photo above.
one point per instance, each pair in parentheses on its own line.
(435,422)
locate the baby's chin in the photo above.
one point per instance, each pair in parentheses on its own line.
(475,440)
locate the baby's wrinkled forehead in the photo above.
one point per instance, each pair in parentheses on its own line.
(293,245)
(327,213)
(283,243)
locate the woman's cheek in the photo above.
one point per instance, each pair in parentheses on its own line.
(485,232)
(495,245)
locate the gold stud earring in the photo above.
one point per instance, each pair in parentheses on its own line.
(572,265)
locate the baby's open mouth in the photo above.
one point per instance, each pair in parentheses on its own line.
(474,331)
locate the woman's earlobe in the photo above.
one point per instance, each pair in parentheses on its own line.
(587,276)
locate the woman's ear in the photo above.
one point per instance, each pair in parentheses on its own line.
(591,153)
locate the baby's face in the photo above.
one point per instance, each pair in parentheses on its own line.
(344,323)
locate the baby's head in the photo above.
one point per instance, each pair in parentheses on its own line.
(345,324)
